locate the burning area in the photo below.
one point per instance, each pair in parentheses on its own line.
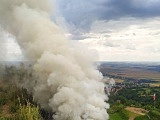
(67,83)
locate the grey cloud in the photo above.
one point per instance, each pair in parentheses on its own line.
(81,14)
(134,8)
(79,37)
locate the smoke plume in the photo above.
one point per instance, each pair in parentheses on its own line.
(68,83)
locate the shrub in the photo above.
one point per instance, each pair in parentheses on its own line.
(28,112)
(2,101)
(154,114)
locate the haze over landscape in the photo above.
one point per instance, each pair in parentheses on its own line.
(114,30)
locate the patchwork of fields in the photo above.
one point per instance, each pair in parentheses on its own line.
(149,72)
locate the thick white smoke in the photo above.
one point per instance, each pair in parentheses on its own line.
(3,46)
(68,83)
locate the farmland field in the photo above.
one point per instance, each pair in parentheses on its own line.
(133,71)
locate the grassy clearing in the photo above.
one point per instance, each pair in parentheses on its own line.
(135,110)
(120,112)
(155,84)
(118,80)
(125,114)
(133,115)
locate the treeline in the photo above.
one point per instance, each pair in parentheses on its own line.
(128,79)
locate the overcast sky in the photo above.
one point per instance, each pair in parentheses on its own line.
(119,30)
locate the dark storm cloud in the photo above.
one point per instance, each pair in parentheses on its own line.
(81,13)
(133,8)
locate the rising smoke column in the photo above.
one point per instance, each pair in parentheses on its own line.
(68,83)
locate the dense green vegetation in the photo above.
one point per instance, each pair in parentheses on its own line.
(17,104)
(117,112)
(139,97)
(142,118)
